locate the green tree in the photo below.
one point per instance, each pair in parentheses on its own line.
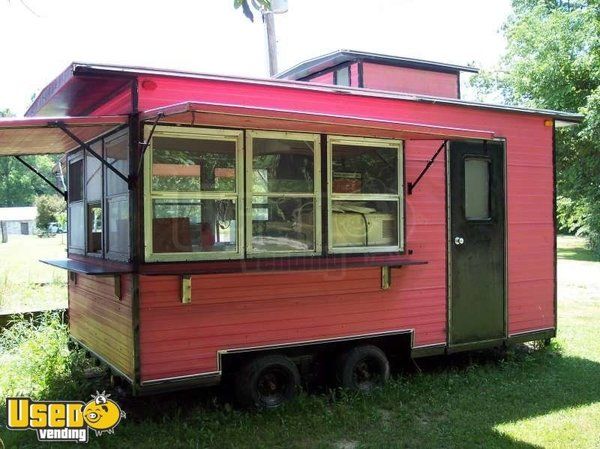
(50,208)
(18,185)
(553,61)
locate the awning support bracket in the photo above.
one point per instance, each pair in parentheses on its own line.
(146,144)
(37,172)
(411,185)
(88,148)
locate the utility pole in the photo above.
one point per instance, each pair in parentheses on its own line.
(268,16)
(269,20)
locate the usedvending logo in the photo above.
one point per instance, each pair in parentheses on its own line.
(65,420)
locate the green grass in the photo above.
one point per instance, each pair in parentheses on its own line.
(525,398)
(573,248)
(25,283)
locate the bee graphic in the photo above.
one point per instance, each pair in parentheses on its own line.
(102,414)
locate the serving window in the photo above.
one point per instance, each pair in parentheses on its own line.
(98,199)
(283,193)
(193,201)
(365,212)
(214,194)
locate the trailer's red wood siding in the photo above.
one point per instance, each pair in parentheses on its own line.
(101,321)
(404,79)
(417,298)
(325,78)
(241,310)
(354,75)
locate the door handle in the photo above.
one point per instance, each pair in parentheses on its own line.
(458,241)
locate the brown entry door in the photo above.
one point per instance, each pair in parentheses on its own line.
(476,242)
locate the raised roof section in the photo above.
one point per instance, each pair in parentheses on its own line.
(381,72)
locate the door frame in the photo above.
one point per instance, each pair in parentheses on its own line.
(483,343)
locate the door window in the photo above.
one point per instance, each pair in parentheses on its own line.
(477,189)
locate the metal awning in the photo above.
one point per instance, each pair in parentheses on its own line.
(236,116)
(43,135)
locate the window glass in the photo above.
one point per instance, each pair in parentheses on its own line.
(283,211)
(477,189)
(281,165)
(364,169)
(342,76)
(364,223)
(194,225)
(193,201)
(93,175)
(193,165)
(116,152)
(117,212)
(283,224)
(365,183)
(75,175)
(76,227)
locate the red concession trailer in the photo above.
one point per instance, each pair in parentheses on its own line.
(352,209)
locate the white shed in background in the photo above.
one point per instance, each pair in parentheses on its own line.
(19,220)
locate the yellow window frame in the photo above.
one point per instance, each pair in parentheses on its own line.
(315,195)
(236,136)
(399,197)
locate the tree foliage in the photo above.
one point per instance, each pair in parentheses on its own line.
(18,185)
(50,208)
(553,62)
(258,5)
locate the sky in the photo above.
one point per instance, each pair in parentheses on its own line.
(42,37)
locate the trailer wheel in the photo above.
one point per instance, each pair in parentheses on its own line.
(267,382)
(362,368)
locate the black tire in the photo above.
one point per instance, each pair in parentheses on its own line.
(267,382)
(362,368)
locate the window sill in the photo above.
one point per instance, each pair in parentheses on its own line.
(279,264)
(90,267)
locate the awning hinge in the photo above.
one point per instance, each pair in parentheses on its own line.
(144,145)
(411,185)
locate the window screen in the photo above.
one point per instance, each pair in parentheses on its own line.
(116,150)
(93,197)
(75,176)
(477,189)
(93,175)
(76,212)
(76,227)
